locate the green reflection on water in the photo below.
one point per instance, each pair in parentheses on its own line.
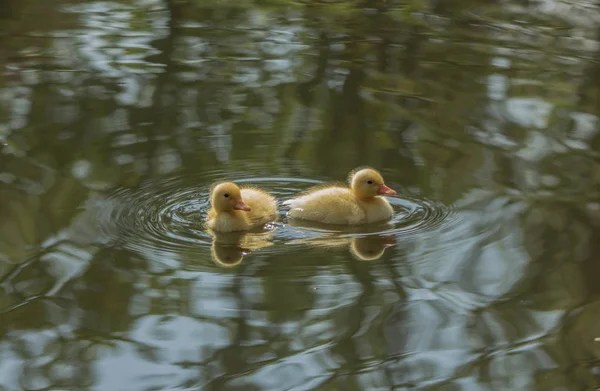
(489,108)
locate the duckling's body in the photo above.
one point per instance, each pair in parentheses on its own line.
(337,204)
(263,204)
(234,209)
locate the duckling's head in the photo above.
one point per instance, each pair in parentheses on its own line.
(367,183)
(226,197)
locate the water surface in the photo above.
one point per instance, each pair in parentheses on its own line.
(116,117)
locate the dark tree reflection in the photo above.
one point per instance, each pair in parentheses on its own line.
(491,108)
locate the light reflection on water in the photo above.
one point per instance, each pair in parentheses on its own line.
(115,118)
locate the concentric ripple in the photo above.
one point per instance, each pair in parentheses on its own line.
(168,215)
(162,216)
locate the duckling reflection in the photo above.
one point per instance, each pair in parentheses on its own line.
(363,248)
(229,248)
(370,248)
(366,229)
(227,255)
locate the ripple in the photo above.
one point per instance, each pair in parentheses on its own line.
(159,215)
(167,215)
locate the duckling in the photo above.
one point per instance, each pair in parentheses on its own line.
(339,204)
(235,209)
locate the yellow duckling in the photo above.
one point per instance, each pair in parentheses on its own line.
(338,204)
(235,209)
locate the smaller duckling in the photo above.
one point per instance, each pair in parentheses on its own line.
(338,204)
(239,209)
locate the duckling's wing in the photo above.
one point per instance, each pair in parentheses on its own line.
(263,204)
(315,191)
(332,205)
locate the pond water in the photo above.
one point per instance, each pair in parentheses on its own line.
(117,116)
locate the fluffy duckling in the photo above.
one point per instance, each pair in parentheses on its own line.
(338,204)
(235,209)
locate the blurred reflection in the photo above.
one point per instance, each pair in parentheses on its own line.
(227,255)
(492,108)
(336,228)
(229,248)
(370,248)
(363,248)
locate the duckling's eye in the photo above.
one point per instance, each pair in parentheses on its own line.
(370,182)
(225,195)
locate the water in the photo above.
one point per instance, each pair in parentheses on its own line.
(116,117)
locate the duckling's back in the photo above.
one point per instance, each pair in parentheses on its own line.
(263,205)
(330,205)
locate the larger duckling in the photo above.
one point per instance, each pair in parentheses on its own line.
(239,209)
(337,204)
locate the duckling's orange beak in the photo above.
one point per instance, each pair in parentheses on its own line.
(383,189)
(240,205)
